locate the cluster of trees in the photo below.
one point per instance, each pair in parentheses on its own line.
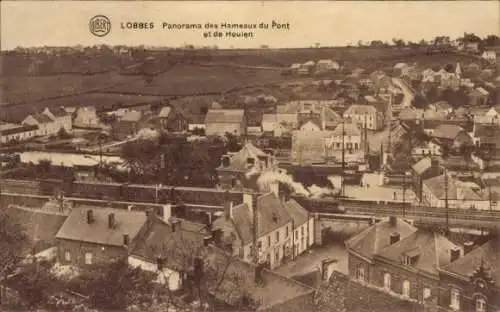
(488,41)
(176,160)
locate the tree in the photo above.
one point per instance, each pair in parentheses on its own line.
(142,157)
(398,42)
(34,283)
(118,286)
(491,40)
(63,134)
(13,239)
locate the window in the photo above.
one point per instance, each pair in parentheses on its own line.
(302,231)
(406,260)
(406,289)
(269,241)
(360,274)
(277,236)
(286,232)
(387,281)
(277,255)
(455,299)
(88,258)
(480,304)
(67,255)
(427,293)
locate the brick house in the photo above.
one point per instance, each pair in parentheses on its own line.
(261,220)
(451,136)
(128,125)
(99,236)
(472,282)
(46,126)
(409,266)
(362,247)
(235,169)
(222,121)
(422,170)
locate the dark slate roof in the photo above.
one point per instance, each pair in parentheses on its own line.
(238,160)
(59,112)
(224,116)
(431,250)
(41,227)
(176,247)
(272,213)
(376,237)
(239,282)
(422,165)
(19,129)
(127,222)
(297,212)
(487,255)
(42,118)
(447,132)
(341,294)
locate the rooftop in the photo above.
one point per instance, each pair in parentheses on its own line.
(225,116)
(358,109)
(373,239)
(429,250)
(77,228)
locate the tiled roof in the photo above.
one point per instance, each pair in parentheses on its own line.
(224,116)
(41,227)
(447,132)
(487,254)
(239,282)
(272,214)
(430,250)
(350,129)
(42,118)
(357,109)
(177,247)
(341,294)
(59,112)
(422,165)
(76,227)
(239,159)
(376,237)
(331,117)
(456,189)
(297,212)
(164,112)
(18,129)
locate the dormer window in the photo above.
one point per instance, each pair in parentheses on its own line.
(410,257)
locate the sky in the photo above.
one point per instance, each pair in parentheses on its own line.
(329,23)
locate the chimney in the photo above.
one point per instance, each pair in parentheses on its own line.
(111,220)
(159,262)
(394,238)
(468,246)
(392,220)
(90,216)
(125,239)
(167,212)
(175,224)
(328,266)
(259,274)
(206,240)
(198,269)
(454,253)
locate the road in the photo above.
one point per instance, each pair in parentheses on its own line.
(408,94)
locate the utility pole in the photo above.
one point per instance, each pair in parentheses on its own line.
(343,161)
(447,226)
(404,194)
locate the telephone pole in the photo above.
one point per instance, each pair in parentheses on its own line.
(343,161)
(447,226)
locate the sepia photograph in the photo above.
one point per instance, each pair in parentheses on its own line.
(258,156)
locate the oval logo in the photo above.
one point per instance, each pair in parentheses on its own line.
(100,25)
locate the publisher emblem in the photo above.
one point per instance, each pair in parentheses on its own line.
(100,25)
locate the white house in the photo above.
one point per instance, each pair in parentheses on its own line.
(365,115)
(323,66)
(16,132)
(61,117)
(86,117)
(46,126)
